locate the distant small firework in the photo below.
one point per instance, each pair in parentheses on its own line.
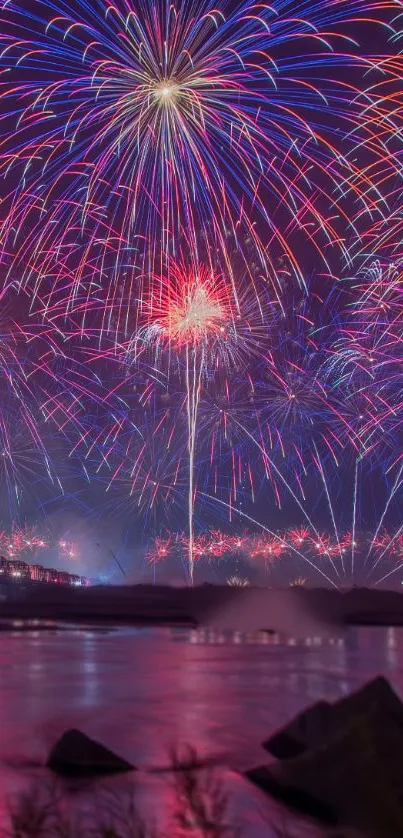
(68,549)
(160,550)
(321,555)
(238,582)
(24,542)
(298,582)
(29,544)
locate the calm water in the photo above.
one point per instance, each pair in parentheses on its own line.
(143,691)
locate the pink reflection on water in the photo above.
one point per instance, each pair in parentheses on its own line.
(144,692)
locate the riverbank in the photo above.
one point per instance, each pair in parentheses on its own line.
(297,610)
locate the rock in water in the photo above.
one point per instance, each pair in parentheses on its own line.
(355,779)
(376,694)
(322,720)
(76,755)
(306,728)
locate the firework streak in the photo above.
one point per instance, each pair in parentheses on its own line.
(201,285)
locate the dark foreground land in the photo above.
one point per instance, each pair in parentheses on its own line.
(297,610)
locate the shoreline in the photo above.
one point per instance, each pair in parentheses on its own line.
(222,607)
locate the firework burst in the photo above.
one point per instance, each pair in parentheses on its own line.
(188,122)
(191,314)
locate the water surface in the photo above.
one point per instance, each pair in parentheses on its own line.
(143,691)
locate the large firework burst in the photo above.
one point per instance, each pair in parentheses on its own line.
(222,127)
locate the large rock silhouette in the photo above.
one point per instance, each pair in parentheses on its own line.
(354,780)
(354,775)
(304,729)
(76,755)
(323,720)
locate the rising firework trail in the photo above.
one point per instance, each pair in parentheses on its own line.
(191,314)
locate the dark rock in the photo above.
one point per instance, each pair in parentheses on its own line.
(294,797)
(376,694)
(76,755)
(322,720)
(306,728)
(355,779)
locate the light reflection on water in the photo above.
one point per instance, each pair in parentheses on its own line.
(143,691)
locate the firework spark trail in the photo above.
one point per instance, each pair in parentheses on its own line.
(327,493)
(398,482)
(24,454)
(275,536)
(288,487)
(387,576)
(193,382)
(354,515)
(162,121)
(387,548)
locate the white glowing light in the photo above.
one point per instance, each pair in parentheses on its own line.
(166,91)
